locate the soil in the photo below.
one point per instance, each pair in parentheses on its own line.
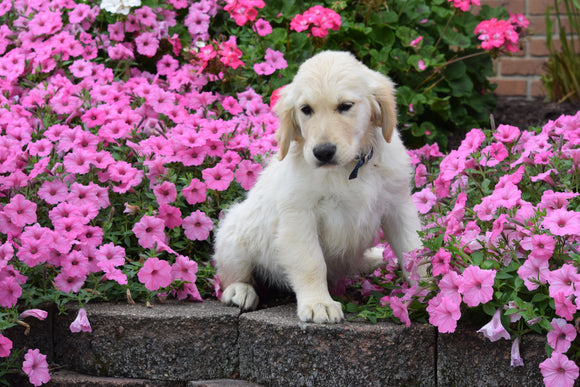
(525,113)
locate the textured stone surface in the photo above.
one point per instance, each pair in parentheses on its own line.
(467,358)
(222,383)
(39,336)
(73,379)
(277,349)
(172,341)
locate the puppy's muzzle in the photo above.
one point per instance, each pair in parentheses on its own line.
(325,153)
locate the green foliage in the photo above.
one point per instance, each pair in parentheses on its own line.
(442,80)
(562,78)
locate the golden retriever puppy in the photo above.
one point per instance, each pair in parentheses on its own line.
(341,173)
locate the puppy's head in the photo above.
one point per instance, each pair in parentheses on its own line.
(332,109)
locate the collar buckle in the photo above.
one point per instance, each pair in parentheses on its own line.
(363,158)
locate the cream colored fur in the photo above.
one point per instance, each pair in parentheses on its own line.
(304,223)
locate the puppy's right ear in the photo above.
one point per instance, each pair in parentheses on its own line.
(288,129)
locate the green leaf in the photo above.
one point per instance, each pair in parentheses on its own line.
(489,308)
(454,38)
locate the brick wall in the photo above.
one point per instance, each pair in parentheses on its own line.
(519,74)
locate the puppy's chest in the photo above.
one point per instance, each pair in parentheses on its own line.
(340,217)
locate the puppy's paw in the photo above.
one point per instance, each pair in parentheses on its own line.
(321,312)
(242,295)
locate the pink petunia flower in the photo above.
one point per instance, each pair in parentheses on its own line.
(400,310)
(440,262)
(21,211)
(564,307)
(10,290)
(36,313)
(111,272)
(67,283)
(147,228)
(540,245)
(53,192)
(36,367)
(562,336)
(165,192)
(197,226)
(189,291)
(444,313)
(5,346)
(515,357)
(195,192)
(155,274)
(147,44)
(494,329)
(275,59)
(562,280)
(477,286)
(559,371)
(218,178)
(424,200)
(81,322)
(450,285)
(262,27)
(562,222)
(533,272)
(263,69)
(506,133)
(247,174)
(184,269)
(170,215)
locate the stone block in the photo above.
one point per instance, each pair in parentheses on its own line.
(73,379)
(222,383)
(38,337)
(276,349)
(171,341)
(467,358)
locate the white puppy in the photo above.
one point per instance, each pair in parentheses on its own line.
(341,173)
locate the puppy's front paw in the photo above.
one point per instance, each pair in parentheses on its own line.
(242,295)
(321,312)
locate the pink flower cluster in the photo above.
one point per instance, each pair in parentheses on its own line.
(243,11)
(318,19)
(500,33)
(274,61)
(92,157)
(464,5)
(501,217)
(227,52)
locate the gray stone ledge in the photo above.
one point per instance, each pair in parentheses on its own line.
(277,349)
(170,341)
(467,358)
(208,344)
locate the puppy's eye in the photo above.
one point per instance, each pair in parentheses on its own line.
(306,110)
(344,107)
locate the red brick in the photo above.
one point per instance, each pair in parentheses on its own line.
(537,25)
(507,86)
(537,88)
(538,7)
(514,6)
(522,66)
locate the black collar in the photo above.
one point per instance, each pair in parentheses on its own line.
(362,159)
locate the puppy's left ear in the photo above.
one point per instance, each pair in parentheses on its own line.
(385,112)
(288,129)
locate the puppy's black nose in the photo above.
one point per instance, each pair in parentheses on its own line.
(324,152)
